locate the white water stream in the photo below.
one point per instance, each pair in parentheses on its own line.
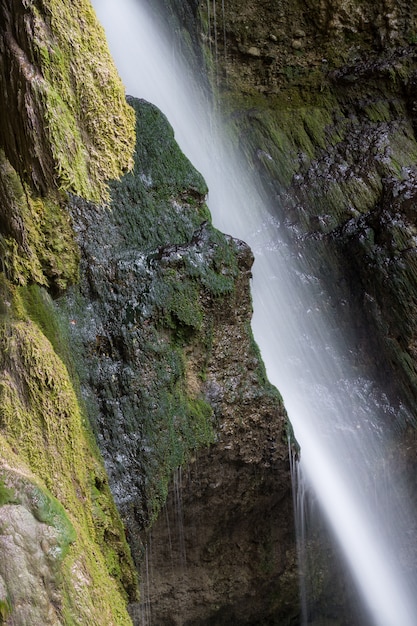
(337,415)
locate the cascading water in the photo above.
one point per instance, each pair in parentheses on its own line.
(338,415)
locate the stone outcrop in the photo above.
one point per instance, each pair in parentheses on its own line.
(149,338)
(328,119)
(174,379)
(321,97)
(66,124)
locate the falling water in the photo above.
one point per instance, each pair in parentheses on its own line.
(299,492)
(339,416)
(144,609)
(179,519)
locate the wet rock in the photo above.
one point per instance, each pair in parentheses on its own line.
(297,44)
(171,373)
(253,51)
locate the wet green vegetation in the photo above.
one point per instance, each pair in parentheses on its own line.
(152,267)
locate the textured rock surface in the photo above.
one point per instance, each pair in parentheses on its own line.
(162,324)
(65,121)
(65,559)
(326,111)
(159,331)
(321,96)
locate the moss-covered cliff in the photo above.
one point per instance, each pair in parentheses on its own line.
(125,343)
(170,372)
(321,98)
(64,126)
(125,337)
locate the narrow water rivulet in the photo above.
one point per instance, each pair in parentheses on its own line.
(340,417)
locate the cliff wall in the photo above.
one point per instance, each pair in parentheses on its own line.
(126,350)
(126,353)
(322,96)
(64,127)
(173,379)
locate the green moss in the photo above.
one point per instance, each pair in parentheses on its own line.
(187,426)
(90,127)
(47,509)
(5,610)
(53,242)
(7,496)
(362,194)
(18,260)
(38,244)
(179,300)
(280,130)
(68,150)
(403,150)
(39,307)
(158,155)
(162,200)
(378,111)
(201,423)
(41,419)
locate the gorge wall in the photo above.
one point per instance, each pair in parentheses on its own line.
(173,378)
(322,95)
(126,348)
(64,126)
(125,323)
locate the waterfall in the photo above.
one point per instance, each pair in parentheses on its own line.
(339,416)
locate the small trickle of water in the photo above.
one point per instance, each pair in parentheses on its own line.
(224,34)
(216,45)
(179,518)
(145,616)
(299,491)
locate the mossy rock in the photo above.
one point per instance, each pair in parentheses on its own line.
(75,110)
(43,436)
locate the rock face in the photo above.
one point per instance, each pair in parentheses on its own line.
(221,551)
(172,377)
(147,342)
(149,337)
(328,119)
(67,124)
(65,555)
(321,97)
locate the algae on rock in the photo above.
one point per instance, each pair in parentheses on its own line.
(65,127)
(146,266)
(50,462)
(65,123)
